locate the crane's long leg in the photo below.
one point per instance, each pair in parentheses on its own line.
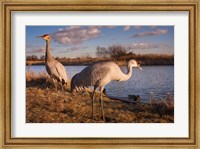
(101,100)
(62,87)
(93,102)
(61,84)
(54,82)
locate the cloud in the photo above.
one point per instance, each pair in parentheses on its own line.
(109,26)
(103,26)
(60,29)
(32,45)
(149,46)
(152,26)
(151,33)
(40,50)
(75,34)
(75,48)
(137,27)
(126,28)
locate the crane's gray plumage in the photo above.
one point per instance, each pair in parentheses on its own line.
(54,68)
(99,75)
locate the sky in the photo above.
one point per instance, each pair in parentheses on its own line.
(79,41)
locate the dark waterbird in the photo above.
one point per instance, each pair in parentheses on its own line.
(136,98)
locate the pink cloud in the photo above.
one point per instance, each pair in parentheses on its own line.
(148,45)
(39,50)
(78,47)
(152,26)
(103,26)
(126,28)
(137,27)
(109,26)
(151,33)
(75,34)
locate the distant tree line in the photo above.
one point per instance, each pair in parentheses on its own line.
(118,53)
(123,53)
(35,58)
(42,58)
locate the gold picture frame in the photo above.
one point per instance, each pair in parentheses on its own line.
(192,7)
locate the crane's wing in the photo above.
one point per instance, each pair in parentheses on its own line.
(61,71)
(90,75)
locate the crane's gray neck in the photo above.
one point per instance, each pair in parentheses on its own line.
(128,75)
(48,56)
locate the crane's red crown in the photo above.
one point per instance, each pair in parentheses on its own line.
(45,35)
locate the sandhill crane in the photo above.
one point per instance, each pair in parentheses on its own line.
(99,75)
(54,68)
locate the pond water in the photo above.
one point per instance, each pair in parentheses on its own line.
(156,81)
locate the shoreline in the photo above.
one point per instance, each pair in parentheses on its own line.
(45,104)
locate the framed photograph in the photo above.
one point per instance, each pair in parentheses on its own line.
(100,73)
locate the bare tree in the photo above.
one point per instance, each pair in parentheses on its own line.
(114,51)
(102,52)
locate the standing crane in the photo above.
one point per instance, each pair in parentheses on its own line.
(99,75)
(54,68)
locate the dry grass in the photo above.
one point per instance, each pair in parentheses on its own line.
(164,106)
(44,104)
(40,79)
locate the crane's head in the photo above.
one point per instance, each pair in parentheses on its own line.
(134,63)
(45,37)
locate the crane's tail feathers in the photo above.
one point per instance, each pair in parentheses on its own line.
(80,89)
(76,86)
(72,85)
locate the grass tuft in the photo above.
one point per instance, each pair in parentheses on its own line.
(38,79)
(163,106)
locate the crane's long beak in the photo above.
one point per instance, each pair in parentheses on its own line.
(140,68)
(38,37)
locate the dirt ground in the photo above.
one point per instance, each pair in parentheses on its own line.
(45,104)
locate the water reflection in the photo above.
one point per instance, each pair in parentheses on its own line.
(154,81)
